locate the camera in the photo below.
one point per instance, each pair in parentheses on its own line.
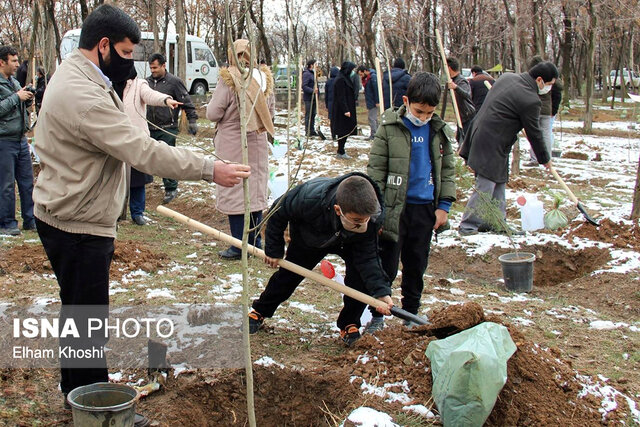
(31,89)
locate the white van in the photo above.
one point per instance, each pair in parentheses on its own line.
(202,67)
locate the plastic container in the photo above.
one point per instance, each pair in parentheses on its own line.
(531,213)
(517,271)
(103,404)
(278,186)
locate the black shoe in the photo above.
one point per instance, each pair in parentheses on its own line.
(467,232)
(230,254)
(139,220)
(141,421)
(10,231)
(29,226)
(350,334)
(255,321)
(169,196)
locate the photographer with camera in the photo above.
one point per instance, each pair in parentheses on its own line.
(15,158)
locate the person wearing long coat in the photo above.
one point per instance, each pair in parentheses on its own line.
(224,110)
(344,120)
(136,95)
(328,97)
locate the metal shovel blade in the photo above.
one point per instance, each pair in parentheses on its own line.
(586,215)
(405,315)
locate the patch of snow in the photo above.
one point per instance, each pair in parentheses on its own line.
(368,417)
(524,322)
(308,308)
(159,293)
(45,301)
(113,291)
(622,261)
(266,361)
(456,291)
(605,325)
(608,395)
(115,377)
(191,256)
(420,410)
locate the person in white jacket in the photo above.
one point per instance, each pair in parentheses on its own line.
(136,95)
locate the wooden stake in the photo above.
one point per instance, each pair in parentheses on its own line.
(446,70)
(380,94)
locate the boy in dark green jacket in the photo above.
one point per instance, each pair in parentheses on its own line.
(412,162)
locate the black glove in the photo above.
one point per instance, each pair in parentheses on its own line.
(193,128)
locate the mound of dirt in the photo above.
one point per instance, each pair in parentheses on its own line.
(575,155)
(23,259)
(619,234)
(130,256)
(540,390)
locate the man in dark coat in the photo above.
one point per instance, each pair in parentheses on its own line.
(344,108)
(478,87)
(328,97)
(462,90)
(308,96)
(512,104)
(399,83)
(164,117)
(340,216)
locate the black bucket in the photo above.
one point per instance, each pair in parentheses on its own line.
(517,270)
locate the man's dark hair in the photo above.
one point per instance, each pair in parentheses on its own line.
(157,57)
(310,62)
(398,63)
(357,195)
(546,70)
(476,69)
(535,60)
(453,63)
(108,21)
(362,68)
(6,51)
(424,88)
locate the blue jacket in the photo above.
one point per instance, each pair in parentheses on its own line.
(328,89)
(400,81)
(371,90)
(308,80)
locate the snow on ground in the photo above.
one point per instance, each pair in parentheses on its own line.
(611,397)
(160,293)
(368,417)
(266,361)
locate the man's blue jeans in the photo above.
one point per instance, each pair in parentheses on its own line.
(15,165)
(137,198)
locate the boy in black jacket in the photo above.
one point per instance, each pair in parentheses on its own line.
(327,215)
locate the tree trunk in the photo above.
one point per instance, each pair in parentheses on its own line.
(513,23)
(84,10)
(591,48)
(154,26)
(258,20)
(567,49)
(635,208)
(181,44)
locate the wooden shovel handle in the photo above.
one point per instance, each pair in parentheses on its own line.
(218,235)
(572,196)
(446,70)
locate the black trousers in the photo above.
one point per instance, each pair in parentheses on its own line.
(412,247)
(81,263)
(283,282)
(310,116)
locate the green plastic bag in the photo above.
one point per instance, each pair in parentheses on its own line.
(469,370)
(555,219)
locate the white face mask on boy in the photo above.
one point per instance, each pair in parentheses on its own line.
(414,120)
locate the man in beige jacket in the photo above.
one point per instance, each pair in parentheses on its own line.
(84,139)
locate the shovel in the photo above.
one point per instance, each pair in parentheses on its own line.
(572,196)
(357,295)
